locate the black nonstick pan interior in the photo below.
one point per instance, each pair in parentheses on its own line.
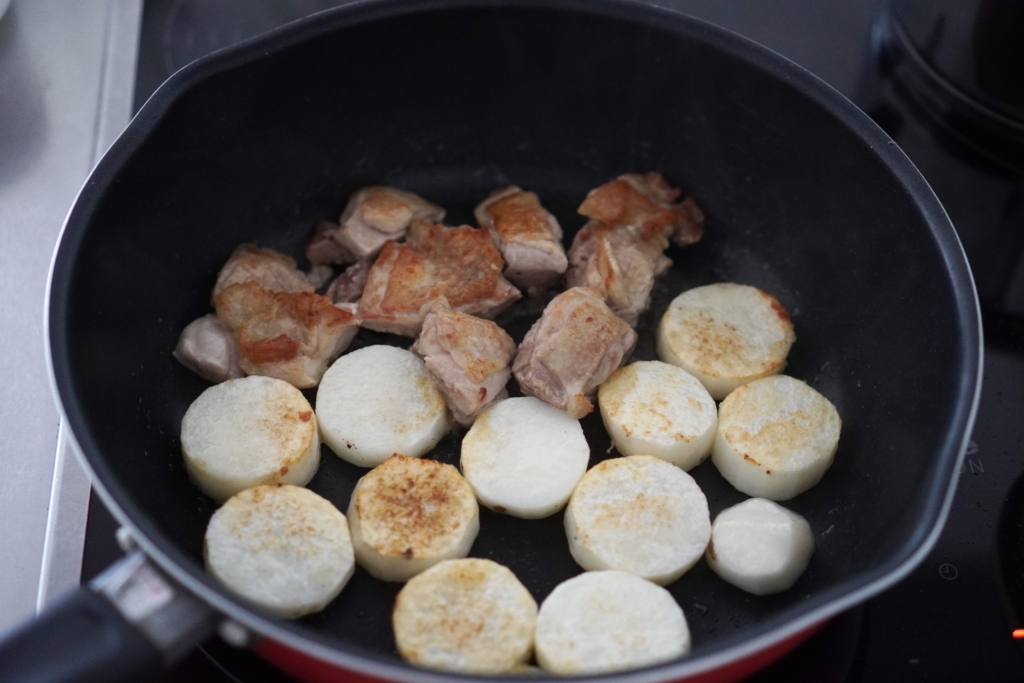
(804,198)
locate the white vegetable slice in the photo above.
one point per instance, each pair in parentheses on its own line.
(760,546)
(726,335)
(601,622)
(280,547)
(659,409)
(776,437)
(640,515)
(408,514)
(246,432)
(378,401)
(524,457)
(470,616)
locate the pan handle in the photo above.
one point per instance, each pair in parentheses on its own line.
(127,625)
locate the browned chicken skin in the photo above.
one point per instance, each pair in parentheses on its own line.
(528,237)
(468,358)
(577,343)
(643,202)
(271,269)
(619,264)
(619,251)
(209,350)
(375,215)
(460,264)
(288,335)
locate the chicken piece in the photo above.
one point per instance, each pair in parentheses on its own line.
(292,336)
(271,269)
(461,264)
(468,358)
(319,275)
(348,287)
(375,215)
(577,343)
(643,202)
(322,249)
(619,264)
(528,237)
(209,350)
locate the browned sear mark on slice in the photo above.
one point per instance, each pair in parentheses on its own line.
(747,457)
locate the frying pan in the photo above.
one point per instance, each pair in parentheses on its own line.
(805,197)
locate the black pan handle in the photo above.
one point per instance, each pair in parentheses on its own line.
(127,625)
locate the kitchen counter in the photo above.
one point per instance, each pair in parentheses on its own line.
(67,73)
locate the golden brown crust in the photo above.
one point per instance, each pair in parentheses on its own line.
(520,218)
(644,203)
(384,208)
(618,203)
(280,327)
(271,269)
(461,264)
(413,508)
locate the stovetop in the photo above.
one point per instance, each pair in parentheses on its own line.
(950,619)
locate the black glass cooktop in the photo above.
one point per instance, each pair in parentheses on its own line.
(952,618)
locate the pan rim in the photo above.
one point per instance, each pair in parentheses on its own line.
(848,593)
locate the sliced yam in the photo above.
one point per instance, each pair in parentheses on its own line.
(408,514)
(246,432)
(282,548)
(523,457)
(658,409)
(760,546)
(726,335)
(640,515)
(467,616)
(606,621)
(378,401)
(776,437)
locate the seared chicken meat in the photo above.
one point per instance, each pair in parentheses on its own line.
(643,203)
(292,336)
(348,287)
(577,343)
(322,249)
(528,237)
(460,264)
(468,357)
(375,215)
(271,269)
(619,264)
(209,350)
(319,275)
